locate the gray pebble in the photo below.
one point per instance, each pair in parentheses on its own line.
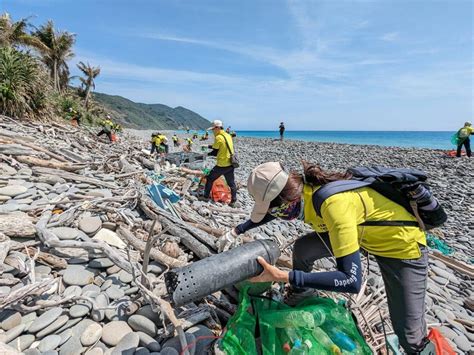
(65,233)
(12,334)
(22,342)
(125,276)
(58,323)
(127,345)
(72,346)
(462,342)
(142,351)
(114,292)
(44,320)
(79,310)
(91,335)
(101,263)
(148,342)
(142,324)
(51,342)
(78,275)
(167,351)
(10,319)
(114,331)
(147,312)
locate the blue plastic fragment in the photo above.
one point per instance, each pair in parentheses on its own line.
(159,193)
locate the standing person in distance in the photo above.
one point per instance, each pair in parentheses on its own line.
(222,149)
(282,130)
(463,139)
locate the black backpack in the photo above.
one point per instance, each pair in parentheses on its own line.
(393,183)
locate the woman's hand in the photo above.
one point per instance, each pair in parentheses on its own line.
(270,273)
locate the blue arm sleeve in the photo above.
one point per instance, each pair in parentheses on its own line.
(347,278)
(247,225)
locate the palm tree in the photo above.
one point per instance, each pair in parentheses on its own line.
(16,34)
(57,51)
(88,83)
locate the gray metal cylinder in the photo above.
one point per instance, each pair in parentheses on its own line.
(201,278)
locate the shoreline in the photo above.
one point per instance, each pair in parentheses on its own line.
(182,133)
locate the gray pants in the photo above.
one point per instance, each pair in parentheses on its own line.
(405,284)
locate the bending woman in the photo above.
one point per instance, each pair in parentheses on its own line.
(400,251)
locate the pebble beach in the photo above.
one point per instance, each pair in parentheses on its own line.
(72,204)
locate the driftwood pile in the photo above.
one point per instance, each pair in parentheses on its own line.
(80,233)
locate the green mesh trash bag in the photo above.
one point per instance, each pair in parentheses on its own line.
(455,139)
(317,326)
(239,338)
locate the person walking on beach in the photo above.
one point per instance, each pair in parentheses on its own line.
(463,136)
(107,126)
(282,130)
(339,231)
(222,149)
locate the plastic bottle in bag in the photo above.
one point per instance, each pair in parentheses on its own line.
(342,340)
(319,317)
(290,319)
(326,341)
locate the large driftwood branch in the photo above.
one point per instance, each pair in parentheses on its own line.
(197,233)
(49,163)
(198,248)
(146,162)
(155,254)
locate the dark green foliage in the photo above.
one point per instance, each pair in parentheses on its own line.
(24,85)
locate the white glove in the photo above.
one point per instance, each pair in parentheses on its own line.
(228,241)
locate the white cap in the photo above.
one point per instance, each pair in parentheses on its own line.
(216,123)
(265,184)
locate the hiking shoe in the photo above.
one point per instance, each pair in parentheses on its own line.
(203,198)
(296,295)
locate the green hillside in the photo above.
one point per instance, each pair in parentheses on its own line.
(149,116)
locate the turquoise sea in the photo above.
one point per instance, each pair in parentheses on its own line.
(419,139)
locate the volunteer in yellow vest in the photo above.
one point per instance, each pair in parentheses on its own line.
(222,149)
(463,136)
(107,126)
(158,143)
(189,145)
(400,251)
(175,140)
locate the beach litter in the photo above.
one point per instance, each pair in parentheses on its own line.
(88,230)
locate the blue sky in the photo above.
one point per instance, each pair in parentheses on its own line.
(341,65)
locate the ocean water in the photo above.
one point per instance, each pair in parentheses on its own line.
(418,139)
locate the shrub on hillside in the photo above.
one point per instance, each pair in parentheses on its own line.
(24,84)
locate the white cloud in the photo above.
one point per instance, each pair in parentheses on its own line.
(390,37)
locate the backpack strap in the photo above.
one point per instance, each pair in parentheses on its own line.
(333,188)
(390,224)
(227,144)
